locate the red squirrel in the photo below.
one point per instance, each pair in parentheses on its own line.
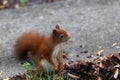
(40,48)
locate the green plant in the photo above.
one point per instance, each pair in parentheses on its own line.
(27,66)
(49,75)
(23,2)
(35,75)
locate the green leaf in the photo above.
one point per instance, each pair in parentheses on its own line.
(26,66)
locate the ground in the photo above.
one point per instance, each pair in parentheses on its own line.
(92,24)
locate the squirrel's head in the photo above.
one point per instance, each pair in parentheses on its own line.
(60,35)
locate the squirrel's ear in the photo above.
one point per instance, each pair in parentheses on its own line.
(57,26)
(54,31)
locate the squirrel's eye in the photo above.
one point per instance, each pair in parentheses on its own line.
(61,36)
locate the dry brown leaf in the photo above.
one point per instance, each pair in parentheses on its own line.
(114,44)
(99,78)
(66,56)
(116,74)
(86,61)
(96,71)
(100,52)
(73,76)
(117,66)
(101,65)
(104,58)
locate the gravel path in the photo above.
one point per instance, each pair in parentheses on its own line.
(94,25)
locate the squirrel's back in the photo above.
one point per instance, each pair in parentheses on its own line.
(27,43)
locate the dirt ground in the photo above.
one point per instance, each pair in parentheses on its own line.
(92,24)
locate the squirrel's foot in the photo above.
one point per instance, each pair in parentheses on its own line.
(56,69)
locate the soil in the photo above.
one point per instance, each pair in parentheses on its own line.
(102,68)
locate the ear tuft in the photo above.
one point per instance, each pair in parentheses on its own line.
(54,31)
(57,26)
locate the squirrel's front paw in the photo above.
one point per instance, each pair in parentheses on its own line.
(56,69)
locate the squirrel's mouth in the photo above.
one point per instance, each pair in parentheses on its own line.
(69,37)
(66,39)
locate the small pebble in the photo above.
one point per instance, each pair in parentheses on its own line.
(77,55)
(81,46)
(81,52)
(89,56)
(69,62)
(85,51)
(72,61)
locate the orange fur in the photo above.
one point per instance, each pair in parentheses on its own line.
(40,47)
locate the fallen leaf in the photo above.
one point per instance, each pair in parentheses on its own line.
(101,65)
(116,74)
(117,66)
(66,56)
(73,76)
(114,44)
(100,52)
(99,78)
(96,71)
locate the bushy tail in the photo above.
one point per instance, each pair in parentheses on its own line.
(21,47)
(20,52)
(26,44)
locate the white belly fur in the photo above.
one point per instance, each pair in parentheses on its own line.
(46,65)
